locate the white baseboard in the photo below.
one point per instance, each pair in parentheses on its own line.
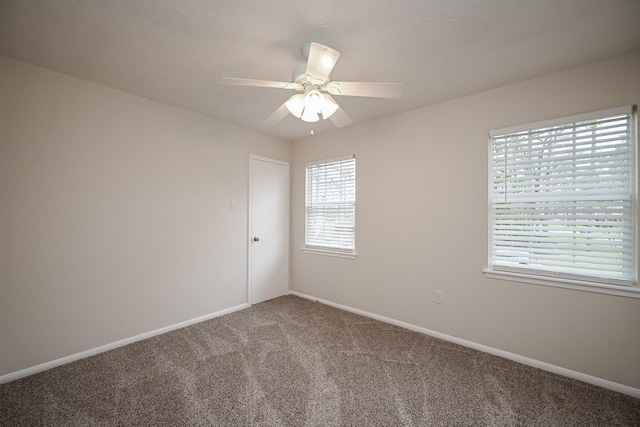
(621,388)
(72,358)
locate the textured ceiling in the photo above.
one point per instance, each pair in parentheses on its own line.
(175,51)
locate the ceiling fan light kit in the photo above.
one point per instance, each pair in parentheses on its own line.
(313,82)
(311,105)
(295,105)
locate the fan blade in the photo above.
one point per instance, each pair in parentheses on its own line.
(370,89)
(259,83)
(321,61)
(340,118)
(277,115)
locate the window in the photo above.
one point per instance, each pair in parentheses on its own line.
(562,202)
(331,207)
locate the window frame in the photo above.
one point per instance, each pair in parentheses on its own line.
(319,249)
(566,281)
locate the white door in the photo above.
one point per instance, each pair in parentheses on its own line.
(268,229)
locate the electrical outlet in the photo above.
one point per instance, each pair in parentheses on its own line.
(437,297)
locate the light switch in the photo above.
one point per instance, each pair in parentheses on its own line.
(233,205)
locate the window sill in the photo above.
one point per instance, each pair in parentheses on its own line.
(329,252)
(580,285)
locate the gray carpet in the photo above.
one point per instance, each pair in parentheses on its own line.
(290,362)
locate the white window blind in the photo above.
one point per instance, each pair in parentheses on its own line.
(331,204)
(562,198)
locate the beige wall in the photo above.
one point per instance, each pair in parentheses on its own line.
(114,214)
(422,225)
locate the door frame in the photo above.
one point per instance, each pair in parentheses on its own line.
(252,158)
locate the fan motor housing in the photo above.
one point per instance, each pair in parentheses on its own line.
(299,75)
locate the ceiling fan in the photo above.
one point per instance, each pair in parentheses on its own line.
(312,81)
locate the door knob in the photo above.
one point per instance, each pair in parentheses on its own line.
(256,239)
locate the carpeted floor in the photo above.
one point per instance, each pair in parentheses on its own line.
(290,362)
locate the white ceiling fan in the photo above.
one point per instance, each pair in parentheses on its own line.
(312,81)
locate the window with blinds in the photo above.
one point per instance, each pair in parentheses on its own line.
(562,198)
(331,205)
